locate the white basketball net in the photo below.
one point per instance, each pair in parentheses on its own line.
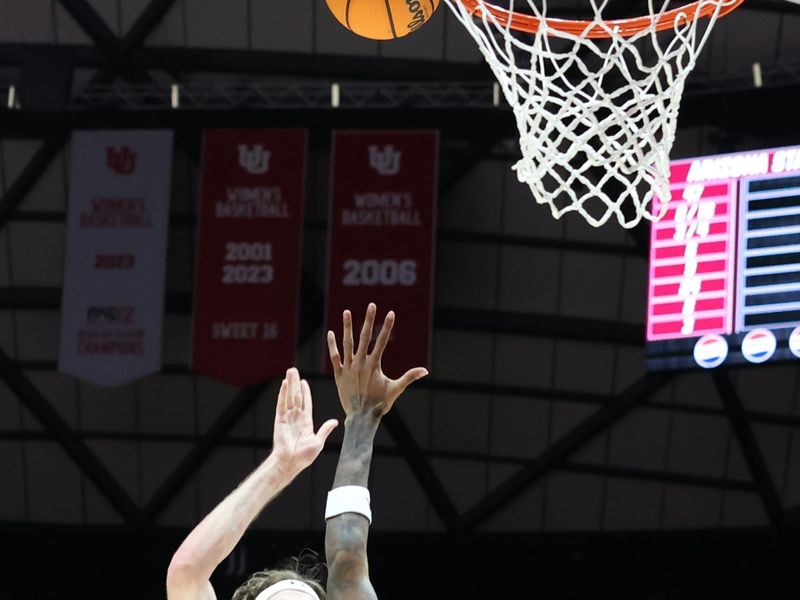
(596,117)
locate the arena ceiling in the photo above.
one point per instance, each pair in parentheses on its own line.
(81,63)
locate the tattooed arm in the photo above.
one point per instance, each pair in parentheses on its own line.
(366,394)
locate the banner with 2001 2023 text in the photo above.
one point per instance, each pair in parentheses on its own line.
(117,222)
(381,237)
(248,253)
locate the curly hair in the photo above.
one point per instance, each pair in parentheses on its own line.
(305,567)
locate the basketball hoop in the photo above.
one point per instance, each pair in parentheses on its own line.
(596,101)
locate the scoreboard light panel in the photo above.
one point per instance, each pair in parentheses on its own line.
(724,285)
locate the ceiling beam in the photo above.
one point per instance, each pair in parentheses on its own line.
(70,441)
(749,446)
(715,483)
(182,62)
(149,19)
(133,42)
(115,51)
(521,241)
(728,109)
(443,235)
(617,472)
(502,391)
(420,466)
(538,325)
(558,452)
(30,174)
(253,62)
(444,317)
(93,26)
(449,121)
(245,399)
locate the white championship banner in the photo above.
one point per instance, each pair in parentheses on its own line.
(117,222)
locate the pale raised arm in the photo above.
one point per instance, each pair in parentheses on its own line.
(295,446)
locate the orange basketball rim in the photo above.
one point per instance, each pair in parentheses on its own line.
(591,29)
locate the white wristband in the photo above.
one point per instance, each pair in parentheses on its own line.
(348,499)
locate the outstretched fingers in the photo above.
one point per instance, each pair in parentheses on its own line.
(347,337)
(408,378)
(283,393)
(383,337)
(295,398)
(366,332)
(325,430)
(305,398)
(333,352)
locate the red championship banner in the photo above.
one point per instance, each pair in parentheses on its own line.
(381,237)
(248,253)
(112,305)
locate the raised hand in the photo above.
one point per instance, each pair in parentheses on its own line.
(362,385)
(294,442)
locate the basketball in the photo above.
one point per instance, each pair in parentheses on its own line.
(383,19)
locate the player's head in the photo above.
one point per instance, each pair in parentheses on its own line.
(298,579)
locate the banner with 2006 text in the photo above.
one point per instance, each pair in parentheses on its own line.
(248,253)
(381,237)
(117,222)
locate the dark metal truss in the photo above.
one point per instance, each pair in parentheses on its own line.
(265,95)
(557,452)
(202,449)
(34,169)
(555,457)
(750,448)
(70,442)
(116,53)
(253,65)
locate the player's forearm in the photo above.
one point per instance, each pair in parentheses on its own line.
(215,537)
(355,456)
(346,534)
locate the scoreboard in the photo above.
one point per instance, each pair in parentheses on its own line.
(724,284)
